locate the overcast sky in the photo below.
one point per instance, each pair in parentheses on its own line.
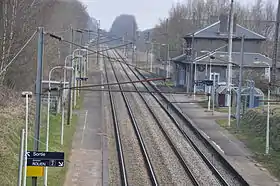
(147,12)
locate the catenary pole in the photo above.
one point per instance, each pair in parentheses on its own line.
(268,113)
(133,43)
(240,84)
(69,108)
(230,62)
(98,41)
(275,45)
(38,93)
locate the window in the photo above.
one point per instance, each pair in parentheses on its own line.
(215,76)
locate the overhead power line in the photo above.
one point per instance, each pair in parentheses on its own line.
(23,47)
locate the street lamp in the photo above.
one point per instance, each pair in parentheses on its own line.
(268,106)
(71,85)
(26,95)
(167,60)
(211,57)
(75,72)
(86,66)
(48,115)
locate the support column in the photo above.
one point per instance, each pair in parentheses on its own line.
(187,75)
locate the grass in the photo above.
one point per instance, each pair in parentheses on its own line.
(11,123)
(169,83)
(56,176)
(80,101)
(252,133)
(12,120)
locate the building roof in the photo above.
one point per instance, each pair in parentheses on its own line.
(250,59)
(212,32)
(180,58)
(221,58)
(246,91)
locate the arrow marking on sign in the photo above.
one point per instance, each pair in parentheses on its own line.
(60,164)
(27,153)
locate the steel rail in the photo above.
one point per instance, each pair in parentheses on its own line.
(167,136)
(201,154)
(123,173)
(142,145)
(207,144)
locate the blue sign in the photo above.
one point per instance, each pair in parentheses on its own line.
(45,159)
(81,78)
(208,82)
(204,82)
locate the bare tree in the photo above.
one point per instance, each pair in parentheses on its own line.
(19,20)
(185,18)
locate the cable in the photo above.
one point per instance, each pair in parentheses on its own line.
(5,68)
(96,52)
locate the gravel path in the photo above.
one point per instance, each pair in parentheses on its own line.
(134,163)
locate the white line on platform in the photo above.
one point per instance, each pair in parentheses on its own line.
(204,134)
(84,128)
(218,147)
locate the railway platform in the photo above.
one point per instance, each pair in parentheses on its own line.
(86,162)
(234,150)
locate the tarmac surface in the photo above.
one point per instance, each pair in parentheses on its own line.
(234,150)
(86,161)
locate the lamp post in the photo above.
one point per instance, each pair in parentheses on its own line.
(268,106)
(75,74)
(86,66)
(63,96)
(159,49)
(229,78)
(26,95)
(48,116)
(167,60)
(72,78)
(151,64)
(211,57)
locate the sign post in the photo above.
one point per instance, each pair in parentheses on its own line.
(45,159)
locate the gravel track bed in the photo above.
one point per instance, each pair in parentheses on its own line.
(214,160)
(227,175)
(194,161)
(231,180)
(160,153)
(113,163)
(168,168)
(196,164)
(134,163)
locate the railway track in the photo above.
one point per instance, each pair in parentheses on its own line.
(121,162)
(189,178)
(197,178)
(125,169)
(222,170)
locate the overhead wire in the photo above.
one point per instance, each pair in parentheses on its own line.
(93,51)
(22,48)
